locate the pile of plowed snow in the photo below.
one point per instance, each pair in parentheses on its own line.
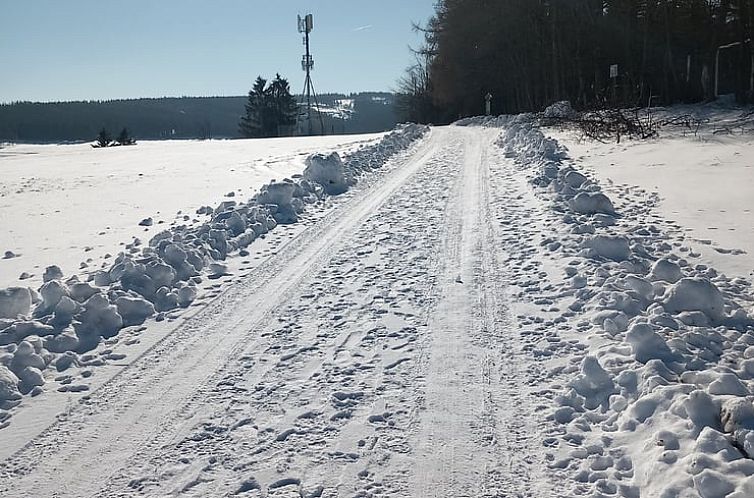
(660,401)
(53,327)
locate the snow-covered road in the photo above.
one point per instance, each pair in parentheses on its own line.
(467,315)
(374,355)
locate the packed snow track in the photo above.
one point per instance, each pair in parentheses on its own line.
(375,354)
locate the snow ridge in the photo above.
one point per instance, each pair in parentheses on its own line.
(57,325)
(659,400)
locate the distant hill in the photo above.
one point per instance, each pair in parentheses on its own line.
(177,118)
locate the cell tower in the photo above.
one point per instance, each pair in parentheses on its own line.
(305,26)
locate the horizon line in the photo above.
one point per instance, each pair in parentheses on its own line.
(124,99)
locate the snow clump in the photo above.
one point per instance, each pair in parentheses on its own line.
(68,318)
(327,170)
(560,110)
(662,404)
(15,302)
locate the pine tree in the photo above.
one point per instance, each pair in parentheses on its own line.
(285,108)
(124,138)
(253,123)
(103,138)
(531,53)
(271,110)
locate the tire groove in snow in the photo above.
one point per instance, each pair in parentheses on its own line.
(469,444)
(125,413)
(374,356)
(310,415)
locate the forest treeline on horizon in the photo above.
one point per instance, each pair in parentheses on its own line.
(530,53)
(171,117)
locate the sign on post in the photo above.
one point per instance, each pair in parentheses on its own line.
(614,70)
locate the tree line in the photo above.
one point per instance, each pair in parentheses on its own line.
(171,117)
(530,53)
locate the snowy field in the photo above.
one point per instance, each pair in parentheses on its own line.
(452,311)
(704,183)
(70,205)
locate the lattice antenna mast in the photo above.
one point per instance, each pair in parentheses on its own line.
(305,26)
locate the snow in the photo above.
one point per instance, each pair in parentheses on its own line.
(705,184)
(71,205)
(73,318)
(327,170)
(667,429)
(560,110)
(14,302)
(373,342)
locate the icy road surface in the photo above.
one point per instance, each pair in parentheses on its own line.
(374,354)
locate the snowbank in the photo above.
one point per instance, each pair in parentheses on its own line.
(661,404)
(701,180)
(560,110)
(55,327)
(78,204)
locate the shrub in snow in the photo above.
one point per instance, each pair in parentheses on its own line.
(695,294)
(614,248)
(15,302)
(327,170)
(560,110)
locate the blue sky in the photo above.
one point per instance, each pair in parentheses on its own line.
(85,50)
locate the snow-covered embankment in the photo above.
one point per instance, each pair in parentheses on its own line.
(53,328)
(659,402)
